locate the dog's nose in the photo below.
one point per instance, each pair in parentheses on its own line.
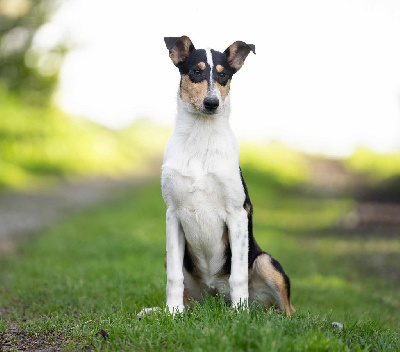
(211,103)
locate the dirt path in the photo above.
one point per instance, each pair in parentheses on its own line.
(25,212)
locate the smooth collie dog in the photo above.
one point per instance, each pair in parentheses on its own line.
(210,244)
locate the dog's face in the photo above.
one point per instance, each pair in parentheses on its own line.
(206,74)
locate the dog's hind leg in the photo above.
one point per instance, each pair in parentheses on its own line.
(269,285)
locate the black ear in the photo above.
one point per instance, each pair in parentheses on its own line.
(179,48)
(237,53)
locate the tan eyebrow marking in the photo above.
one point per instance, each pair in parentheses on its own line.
(219,68)
(202,65)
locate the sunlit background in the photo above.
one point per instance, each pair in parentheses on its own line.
(326,77)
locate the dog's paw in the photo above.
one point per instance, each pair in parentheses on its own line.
(174,309)
(241,305)
(147,312)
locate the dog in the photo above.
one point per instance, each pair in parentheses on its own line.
(210,244)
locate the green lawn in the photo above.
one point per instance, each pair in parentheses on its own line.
(96,270)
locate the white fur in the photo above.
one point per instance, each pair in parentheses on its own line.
(214,91)
(175,249)
(210,62)
(202,188)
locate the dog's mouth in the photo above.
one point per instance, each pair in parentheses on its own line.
(209,112)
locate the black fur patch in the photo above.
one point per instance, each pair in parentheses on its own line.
(188,263)
(254,248)
(226,74)
(226,269)
(190,67)
(192,62)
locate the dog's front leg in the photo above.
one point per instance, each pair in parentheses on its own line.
(239,241)
(175,253)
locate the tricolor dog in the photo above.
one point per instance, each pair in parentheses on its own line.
(210,243)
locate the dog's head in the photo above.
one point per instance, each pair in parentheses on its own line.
(206,74)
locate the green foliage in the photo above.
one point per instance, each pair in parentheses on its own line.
(40,144)
(97,269)
(29,71)
(377,167)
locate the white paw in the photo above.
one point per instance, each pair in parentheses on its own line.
(167,310)
(175,309)
(147,311)
(240,305)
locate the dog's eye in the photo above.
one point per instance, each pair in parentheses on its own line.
(222,75)
(197,72)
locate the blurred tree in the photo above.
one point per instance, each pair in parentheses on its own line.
(26,69)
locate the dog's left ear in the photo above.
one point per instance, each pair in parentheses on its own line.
(237,53)
(179,48)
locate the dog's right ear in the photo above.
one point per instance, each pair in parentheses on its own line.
(179,48)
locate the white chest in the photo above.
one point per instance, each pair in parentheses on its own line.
(202,173)
(201,184)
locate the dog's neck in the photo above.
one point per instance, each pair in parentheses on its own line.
(207,138)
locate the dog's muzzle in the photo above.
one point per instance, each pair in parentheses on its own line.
(210,104)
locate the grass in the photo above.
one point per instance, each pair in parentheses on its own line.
(97,269)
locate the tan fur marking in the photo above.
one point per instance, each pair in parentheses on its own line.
(248,209)
(224,90)
(193,93)
(219,68)
(174,57)
(202,65)
(237,55)
(263,271)
(231,58)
